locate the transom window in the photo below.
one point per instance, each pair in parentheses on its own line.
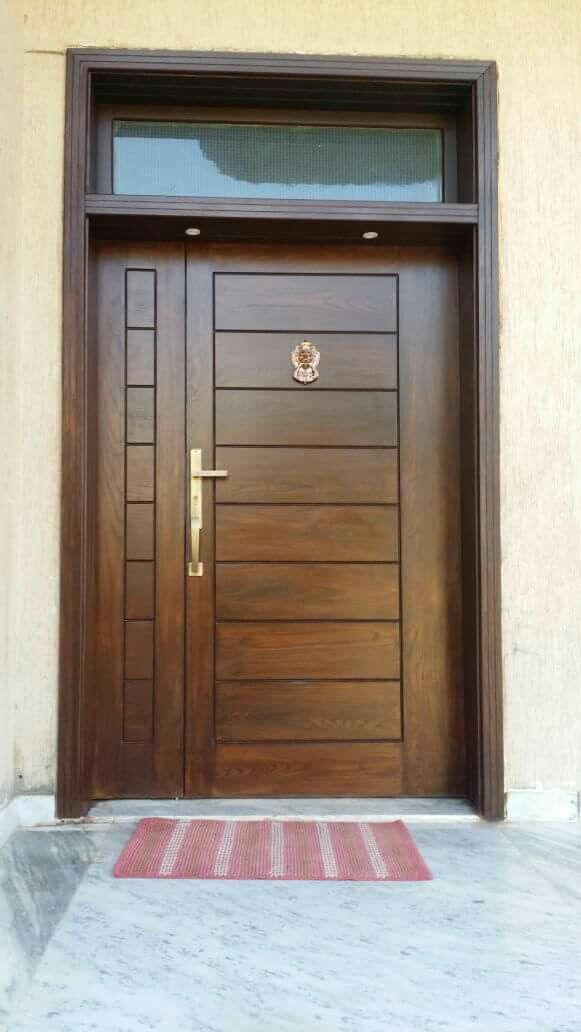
(301,162)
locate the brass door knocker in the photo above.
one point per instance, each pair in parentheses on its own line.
(305,358)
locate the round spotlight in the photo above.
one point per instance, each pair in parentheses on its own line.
(193,231)
(370,235)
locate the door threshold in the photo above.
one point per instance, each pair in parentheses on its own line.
(377,809)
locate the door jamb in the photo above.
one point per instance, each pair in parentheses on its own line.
(77,559)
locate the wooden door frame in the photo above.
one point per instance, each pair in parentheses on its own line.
(280,75)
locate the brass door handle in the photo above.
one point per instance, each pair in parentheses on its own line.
(195,567)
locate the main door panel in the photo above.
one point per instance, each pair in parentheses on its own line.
(322,643)
(314,619)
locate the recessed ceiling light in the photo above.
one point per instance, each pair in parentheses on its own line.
(370,235)
(193,231)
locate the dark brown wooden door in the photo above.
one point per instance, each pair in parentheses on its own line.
(322,643)
(134,740)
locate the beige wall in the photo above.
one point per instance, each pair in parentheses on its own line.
(537,44)
(10,235)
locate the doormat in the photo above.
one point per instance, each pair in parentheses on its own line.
(272,850)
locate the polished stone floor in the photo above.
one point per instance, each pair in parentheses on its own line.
(334,809)
(493,944)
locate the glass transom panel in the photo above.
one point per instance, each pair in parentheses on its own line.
(186,159)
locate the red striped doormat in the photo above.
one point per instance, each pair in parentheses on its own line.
(278,850)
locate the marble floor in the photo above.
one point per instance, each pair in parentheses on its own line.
(493,944)
(309,809)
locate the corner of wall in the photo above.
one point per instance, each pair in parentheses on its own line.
(536,804)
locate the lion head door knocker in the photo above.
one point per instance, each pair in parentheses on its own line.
(305,358)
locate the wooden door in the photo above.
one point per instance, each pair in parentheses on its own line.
(324,638)
(133,744)
(320,652)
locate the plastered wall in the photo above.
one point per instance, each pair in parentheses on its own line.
(11,187)
(537,44)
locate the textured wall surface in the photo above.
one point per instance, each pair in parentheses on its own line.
(537,45)
(10,452)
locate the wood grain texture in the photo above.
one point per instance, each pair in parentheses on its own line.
(140,415)
(308,711)
(350,360)
(138,711)
(139,645)
(139,590)
(140,473)
(430,527)
(352,418)
(136,734)
(307,650)
(105,728)
(308,769)
(296,533)
(78,461)
(141,357)
(489,690)
(140,298)
(170,516)
(354,475)
(469,505)
(200,625)
(306,303)
(301,591)
(139,531)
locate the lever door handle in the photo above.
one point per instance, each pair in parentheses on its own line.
(195,567)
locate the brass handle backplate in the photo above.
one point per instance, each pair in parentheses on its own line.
(195,567)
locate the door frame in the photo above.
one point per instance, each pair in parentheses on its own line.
(470,224)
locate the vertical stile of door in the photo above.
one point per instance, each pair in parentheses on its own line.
(136,746)
(199,692)
(399,534)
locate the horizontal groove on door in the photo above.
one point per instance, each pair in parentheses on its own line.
(307,475)
(288,301)
(262,417)
(299,591)
(308,711)
(349,361)
(299,533)
(307,650)
(309,769)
